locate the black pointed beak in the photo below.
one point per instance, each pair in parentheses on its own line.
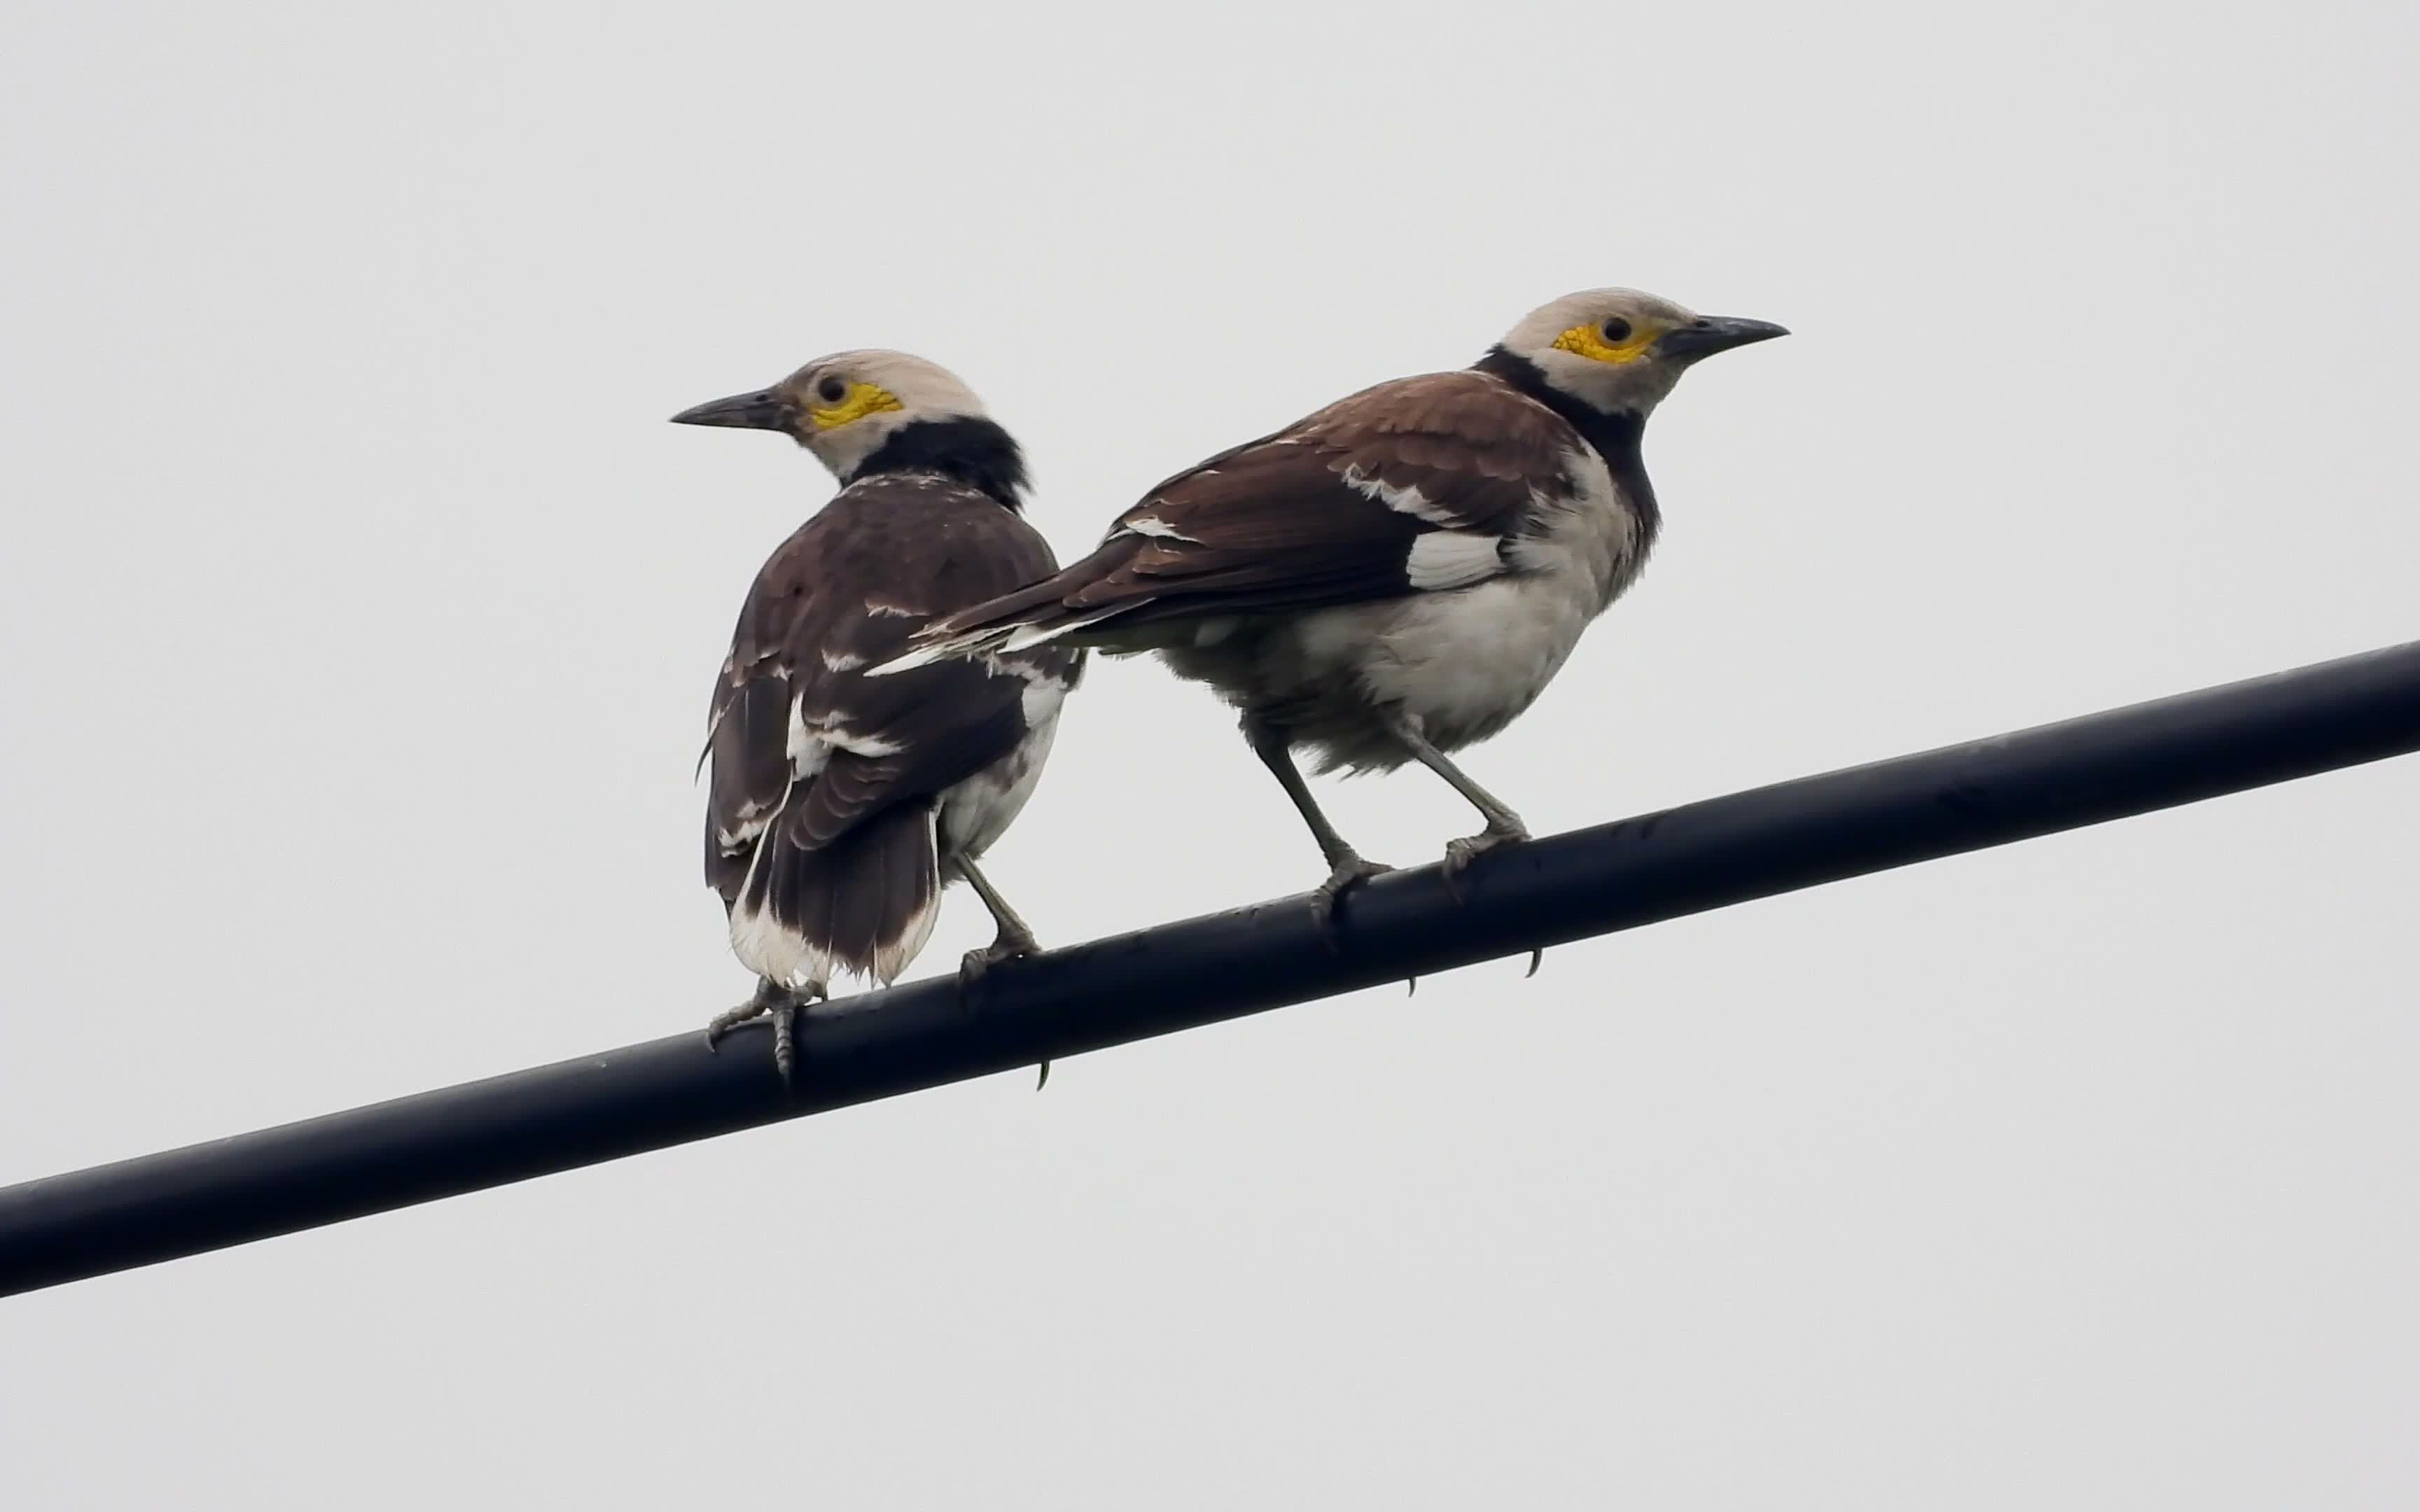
(761,410)
(1712,334)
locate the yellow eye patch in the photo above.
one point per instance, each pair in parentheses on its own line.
(1588,341)
(863,399)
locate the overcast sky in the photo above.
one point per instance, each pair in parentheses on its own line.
(359,611)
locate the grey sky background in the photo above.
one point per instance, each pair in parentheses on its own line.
(359,610)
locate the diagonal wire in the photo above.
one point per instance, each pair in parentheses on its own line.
(1564,888)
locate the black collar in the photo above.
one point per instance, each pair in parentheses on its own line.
(1616,435)
(973,451)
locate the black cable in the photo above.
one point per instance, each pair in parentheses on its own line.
(1564,888)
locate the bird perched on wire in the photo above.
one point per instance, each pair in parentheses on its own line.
(840,804)
(1399,575)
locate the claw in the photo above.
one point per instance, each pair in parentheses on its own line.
(972,965)
(1459,853)
(783,1004)
(723,1022)
(1537,959)
(1348,869)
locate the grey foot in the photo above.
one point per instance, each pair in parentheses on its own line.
(1459,853)
(1009,947)
(972,965)
(722,1024)
(782,1004)
(1348,869)
(785,1044)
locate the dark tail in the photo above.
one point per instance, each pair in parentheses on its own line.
(864,904)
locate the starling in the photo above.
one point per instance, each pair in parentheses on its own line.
(840,803)
(1397,576)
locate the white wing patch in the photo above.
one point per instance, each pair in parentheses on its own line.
(1155,527)
(1402,500)
(874,748)
(812,744)
(807,747)
(753,818)
(1452,558)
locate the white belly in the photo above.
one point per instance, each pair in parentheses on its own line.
(1463,662)
(1467,664)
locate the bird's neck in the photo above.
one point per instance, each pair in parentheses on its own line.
(968,448)
(1614,436)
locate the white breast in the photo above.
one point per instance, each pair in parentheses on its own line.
(1469,661)
(1593,534)
(1467,664)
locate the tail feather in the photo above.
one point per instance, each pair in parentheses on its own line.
(1012,637)
(1023,636)
(864,904)
(1030,616)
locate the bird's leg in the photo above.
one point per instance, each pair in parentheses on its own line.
(1346,865)
(785,1014)
(783,1004)
(1015,938)
(1504,827)
(785,1043)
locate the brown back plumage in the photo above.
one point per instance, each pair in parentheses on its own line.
(1323,512)
(843,852)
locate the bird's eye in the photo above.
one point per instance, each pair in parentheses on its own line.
(831,391)
(1616,330)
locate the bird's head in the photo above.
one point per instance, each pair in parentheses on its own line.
(1620,351)
(844,407)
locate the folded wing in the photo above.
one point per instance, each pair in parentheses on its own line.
(1413,487)
(824,779)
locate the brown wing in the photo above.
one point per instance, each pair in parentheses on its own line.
(801,736)
(1410,486)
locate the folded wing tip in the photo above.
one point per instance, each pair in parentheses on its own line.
(908,663)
